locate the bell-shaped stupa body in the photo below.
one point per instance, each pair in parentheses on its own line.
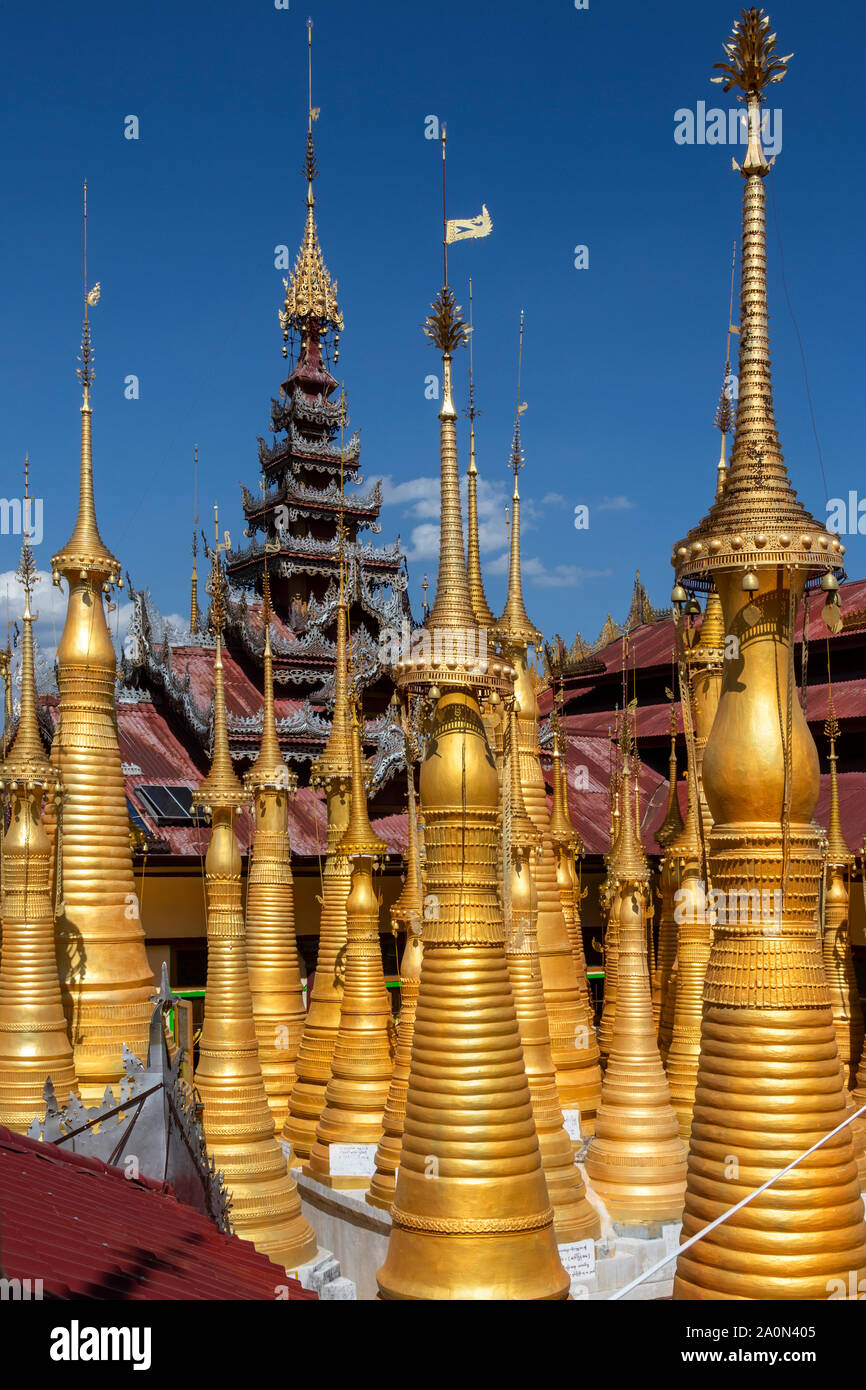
(471,1217)
(273,963)
(34,1043)
(636,1160)
(237,1120)
(105,978)
(769,1077)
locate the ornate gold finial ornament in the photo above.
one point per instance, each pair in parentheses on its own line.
(194,615)
(311,295)
(766,1075)
(34,1044)
(105,979)
(238,1123)
(272,948)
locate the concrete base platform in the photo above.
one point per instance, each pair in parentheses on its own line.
(344,1222)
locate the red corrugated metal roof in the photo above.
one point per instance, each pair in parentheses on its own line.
(90,1232)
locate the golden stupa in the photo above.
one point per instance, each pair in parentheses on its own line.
(769,1077)
(272,949)
(838,961)
(237,1120)
(34,1043)
(333,771)
(573,1042)
(574,1218)
(105,978)
(471,1217)
(635,1160)
(407,911)
(350,1126)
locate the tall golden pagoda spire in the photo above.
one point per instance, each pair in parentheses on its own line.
(407,910)
(667,833)
(311,295)
(567,844)
(767,1075)
(471,1217)
(332,771)
(363,1056)
(635,1160)
(237,1120)
(673,819)
(838,961)
(574,1218)
(478,598)
(272,947)
(578,1076)
(724,413)
(194,615)
(105,978)
(34,1045)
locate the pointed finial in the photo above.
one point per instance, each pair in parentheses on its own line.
(360,837)
(514,626)
(724,417)
(310,304)
(27,762)
(525,836)
(477,596)
(85,552)
(221,789)
(194,616)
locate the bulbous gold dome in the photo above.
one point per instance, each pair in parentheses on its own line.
(458,758)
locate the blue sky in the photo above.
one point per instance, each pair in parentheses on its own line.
(562,121)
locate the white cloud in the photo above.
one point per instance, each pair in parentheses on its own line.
(614,504)
(535,572)
(552,499)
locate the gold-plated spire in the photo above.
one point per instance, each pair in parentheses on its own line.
(34,1044)
(332,770)
(384,1181)
(838,960)
(483,1227)
(673,819)
(514,626)
(635,1160)
(724,418)
(105,978)
(574,1218)
(222,786)
(567,845)
(478,598)
(360,837)
(85,552)
(363,1057)
(765,995)
(194,615)
(407,910)
(452,606)
(238,1123)
(272,948)
(311,295)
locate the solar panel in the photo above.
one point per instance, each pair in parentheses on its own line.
(167,805)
